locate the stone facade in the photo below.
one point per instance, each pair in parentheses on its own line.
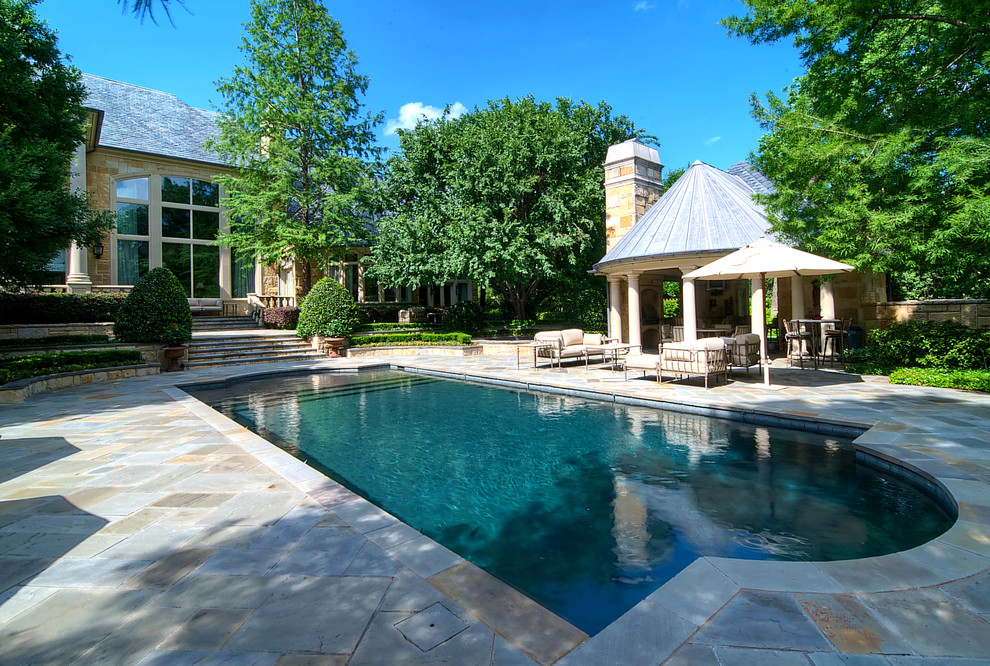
(971,313)
(633,183)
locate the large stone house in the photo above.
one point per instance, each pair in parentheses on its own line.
(144,158)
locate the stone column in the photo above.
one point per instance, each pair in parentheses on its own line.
(614,307)
(757,322)
(78,280)
(797,298)
(635,327)
(827,296)
(689,310)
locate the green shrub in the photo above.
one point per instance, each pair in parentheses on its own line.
(328,309)
(56,341)
(588,310)
(280,318)
(156,310)
(12,369)
(924,344)
(370,313)
(671,308)
(464,317)
(36,308)
(387,326)
(391,339)
(970,380)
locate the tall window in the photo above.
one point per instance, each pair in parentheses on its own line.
(172,222)
(241,276)
(133,231)
(190,223)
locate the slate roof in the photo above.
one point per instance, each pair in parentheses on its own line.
(150,121)
(706,211)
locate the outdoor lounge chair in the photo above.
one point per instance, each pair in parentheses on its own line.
(743,351)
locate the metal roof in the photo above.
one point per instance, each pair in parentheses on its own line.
(706,211)
(150,121)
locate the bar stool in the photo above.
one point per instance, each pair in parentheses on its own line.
(836,336)
(795,336)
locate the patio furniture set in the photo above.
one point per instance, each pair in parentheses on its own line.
(706,357)
(816,339)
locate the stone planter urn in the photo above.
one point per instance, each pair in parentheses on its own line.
(172,355)
(335,346)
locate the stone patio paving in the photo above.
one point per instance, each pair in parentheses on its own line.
(139,526)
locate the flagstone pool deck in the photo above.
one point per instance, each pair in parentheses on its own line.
(139,526)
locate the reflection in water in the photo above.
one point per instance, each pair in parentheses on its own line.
(586,507)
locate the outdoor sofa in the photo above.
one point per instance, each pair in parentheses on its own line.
(706,358)
(201,306)
(570,343)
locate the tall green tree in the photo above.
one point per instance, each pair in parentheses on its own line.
(42,121)
(879,151)
(510,196)
(293,127)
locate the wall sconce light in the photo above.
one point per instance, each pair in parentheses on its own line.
(98,250)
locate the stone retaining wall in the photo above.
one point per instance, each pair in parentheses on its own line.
(971,313)
(15,331)
(20,390)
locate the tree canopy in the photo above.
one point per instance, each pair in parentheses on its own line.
(879,151)
(510,196)
(42,121)
(292,124)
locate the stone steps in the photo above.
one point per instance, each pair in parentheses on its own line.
(220,341)
(224,323)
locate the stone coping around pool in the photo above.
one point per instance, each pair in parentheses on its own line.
(21,389)
(660,624)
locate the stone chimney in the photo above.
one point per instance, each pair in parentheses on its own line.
(633,183)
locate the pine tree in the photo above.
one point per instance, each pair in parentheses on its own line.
(292,125)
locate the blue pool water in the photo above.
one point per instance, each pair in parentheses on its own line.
(584,506)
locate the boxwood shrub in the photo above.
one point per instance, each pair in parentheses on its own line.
(399,339)
(38,308)
(328,309)
(56,341)
(464,317)
(922,344)
(12,369)
(156,310)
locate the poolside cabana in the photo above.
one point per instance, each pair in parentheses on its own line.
(705,215)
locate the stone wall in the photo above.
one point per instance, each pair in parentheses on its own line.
(28,331)
(971,313)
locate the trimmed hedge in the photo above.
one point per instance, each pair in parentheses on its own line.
(385,326)
(281,318)
(969,380)
(398,339)
(464,317)
(328,309)
(36,308)
(57,341)
(156,310)
(12,369)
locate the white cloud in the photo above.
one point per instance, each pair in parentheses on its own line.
(713,140)
(644,6)
(413,112)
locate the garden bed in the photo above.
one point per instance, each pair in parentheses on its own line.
(415,350)
(21,389)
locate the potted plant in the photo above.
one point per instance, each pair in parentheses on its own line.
(157,311)
(328,310)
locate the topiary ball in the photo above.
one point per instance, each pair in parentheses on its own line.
(329,310)
(156,310)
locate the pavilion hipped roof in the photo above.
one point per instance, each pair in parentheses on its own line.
(706,212)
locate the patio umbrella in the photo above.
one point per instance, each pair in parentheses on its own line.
(765,258)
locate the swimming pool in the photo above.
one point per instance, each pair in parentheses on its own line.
(584,506)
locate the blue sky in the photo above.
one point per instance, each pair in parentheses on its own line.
(666,64)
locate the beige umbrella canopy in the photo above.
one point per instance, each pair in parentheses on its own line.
(765,258)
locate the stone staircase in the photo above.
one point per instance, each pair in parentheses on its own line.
(219,341)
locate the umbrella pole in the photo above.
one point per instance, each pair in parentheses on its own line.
(763,338)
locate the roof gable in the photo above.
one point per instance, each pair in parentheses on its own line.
(150,121)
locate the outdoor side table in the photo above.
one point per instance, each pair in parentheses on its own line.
(536,347)
(615,352)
